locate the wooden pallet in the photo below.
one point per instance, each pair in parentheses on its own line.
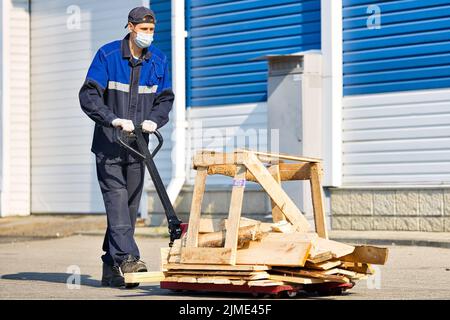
(244,255)
(245,165)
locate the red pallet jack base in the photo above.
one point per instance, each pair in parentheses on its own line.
(329,288)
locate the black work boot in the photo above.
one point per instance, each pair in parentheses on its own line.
(112,276)
(131,265)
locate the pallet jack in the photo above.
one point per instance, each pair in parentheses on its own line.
(177,229)
(174,224)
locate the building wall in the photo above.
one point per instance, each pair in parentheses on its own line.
(392,46)
(65,36)
(225,36)
(16,110)
(390,209)
(396,117)
(227,89)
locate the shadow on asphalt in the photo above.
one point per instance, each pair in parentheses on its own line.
(85,280)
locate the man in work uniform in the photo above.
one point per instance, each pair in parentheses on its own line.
(128,83)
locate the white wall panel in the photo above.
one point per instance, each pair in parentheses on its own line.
(214,128)
(63,167)
(397,138)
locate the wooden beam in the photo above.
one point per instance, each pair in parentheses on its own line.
(196,207)
(179,266)
(206,255)
(207,158)
(367,254)
(287,171)
(234,214)
(289,237)
(219,273)
(317,201)
(326,265)
(277,253)
(310,274)
(320,257)
(300,280)
(142,277)
(282,156)
(357,267)
(277,194)
(264,283)
(337,249)
(277,214)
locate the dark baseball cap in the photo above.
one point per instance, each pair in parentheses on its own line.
(141,15)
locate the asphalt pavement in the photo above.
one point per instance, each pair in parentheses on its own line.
(49,269)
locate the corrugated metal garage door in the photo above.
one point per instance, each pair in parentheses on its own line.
(408,50)
(63,171)
(224,35)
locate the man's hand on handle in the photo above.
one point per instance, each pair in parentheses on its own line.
(149,126)
(124,124)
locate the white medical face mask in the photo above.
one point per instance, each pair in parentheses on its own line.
(143,40)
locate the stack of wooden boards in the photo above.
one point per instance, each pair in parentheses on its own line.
(239,251)
(269,254)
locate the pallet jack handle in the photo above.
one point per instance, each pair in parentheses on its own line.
(175,225)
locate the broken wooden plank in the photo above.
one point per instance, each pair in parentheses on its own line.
(187,279)
(206,158)
(367,254)
(196,207)
(348,273)
(310,274)
(285,171)
(144,277)
(282,226)
(274,253)
(234,213)
(214,280)
(337,249)
(277,194)
(317,201)
(277,214)
(238,282)
(281,156)
(180,266)
(206,255)
(243,222)
(326,265)
(300,280)
(230,274)
(212,272)
(289,237)
(174,258)
(320,257)
(357,267)
(176,247)
(264,283)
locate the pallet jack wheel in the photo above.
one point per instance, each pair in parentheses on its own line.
(291,294)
